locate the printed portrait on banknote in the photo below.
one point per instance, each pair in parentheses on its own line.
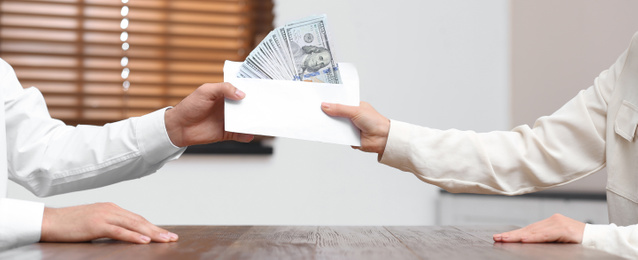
(310,49)
(310,58)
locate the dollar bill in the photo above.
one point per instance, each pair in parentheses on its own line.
(299,51)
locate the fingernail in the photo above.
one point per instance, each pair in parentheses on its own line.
(246,138)
(325,105)
(165,236)
(240,93)
(173,236)
(145,239)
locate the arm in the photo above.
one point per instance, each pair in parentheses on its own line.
(558,228)
(620,240)
(504,162)
(197,119)
(48,157)
(558,149)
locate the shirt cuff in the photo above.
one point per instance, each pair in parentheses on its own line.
(397,145)
(153,139)
(20,222)
(593,233)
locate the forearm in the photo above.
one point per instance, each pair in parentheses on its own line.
(509,163)
(614,239)
(56,159)
(562,147)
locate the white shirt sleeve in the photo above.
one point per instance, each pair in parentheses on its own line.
(558,149)
(20,222)
(509,163)
(48,157)
(622,241)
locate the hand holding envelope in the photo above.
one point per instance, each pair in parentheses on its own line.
(286,78)
(292,109)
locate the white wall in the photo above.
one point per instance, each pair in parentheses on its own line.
(437,63)
(558,48)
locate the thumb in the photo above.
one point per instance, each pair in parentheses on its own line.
(333,109)
(243,138)
(232,92)
(220,90)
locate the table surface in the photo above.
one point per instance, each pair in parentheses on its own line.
(315,242)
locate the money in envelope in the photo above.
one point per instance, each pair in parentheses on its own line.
(284,93)
(298,51)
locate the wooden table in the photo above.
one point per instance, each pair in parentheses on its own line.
(315,242)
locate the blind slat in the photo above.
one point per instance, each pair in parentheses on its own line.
(73,51)
(229,21)
(216,77)
(213,7)
(202,50)
(211,34)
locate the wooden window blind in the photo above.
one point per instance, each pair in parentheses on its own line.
(99,61)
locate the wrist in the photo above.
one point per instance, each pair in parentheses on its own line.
(173,127)
(383,140)
(46,224)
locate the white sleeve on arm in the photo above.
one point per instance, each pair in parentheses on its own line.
(20,222)
(500,162)
(617,240)
(49,158)
(558,149)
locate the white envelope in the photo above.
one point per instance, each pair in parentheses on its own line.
(292,108)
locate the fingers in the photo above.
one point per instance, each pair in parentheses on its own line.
(140,237)
(139,228)
(526,235)
(556,228)
(538,232)
(123,234)
(511,236)
(226,89)
(333,109)
(374,127)
(128,226)
(244,138)
(237,95)
(128,235)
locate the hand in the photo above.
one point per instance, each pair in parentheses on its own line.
(556,228)
(199,118)
(374,127)
(100,220)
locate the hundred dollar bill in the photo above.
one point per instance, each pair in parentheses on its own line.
(310,51)
(299,51)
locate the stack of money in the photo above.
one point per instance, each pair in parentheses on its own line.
(296,51)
